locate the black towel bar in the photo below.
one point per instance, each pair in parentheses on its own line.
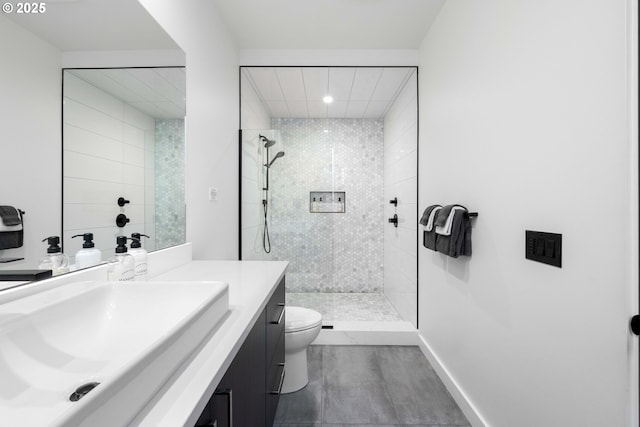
(472,214)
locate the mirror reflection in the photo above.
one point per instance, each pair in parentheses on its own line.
(123,157)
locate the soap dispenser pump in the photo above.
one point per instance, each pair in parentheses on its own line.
(139,255)
(121,266)
(89,255)
(55,260)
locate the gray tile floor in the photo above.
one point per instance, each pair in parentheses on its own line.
(369,386)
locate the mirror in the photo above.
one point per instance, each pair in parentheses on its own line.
(123,156)
(71,34)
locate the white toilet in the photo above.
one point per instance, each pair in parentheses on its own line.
(302,326)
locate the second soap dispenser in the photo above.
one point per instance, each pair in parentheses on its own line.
(139,255)
(89,255)
(121,267)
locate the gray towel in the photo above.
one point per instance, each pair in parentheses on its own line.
(429,236)
(427,212)
(10,216)
(459,242)
(429,239)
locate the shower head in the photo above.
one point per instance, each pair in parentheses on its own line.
(267,142)
(277,156)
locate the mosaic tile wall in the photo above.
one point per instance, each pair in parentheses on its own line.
(329,252)
(170,183)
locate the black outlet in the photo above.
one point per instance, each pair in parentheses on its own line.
(543,247)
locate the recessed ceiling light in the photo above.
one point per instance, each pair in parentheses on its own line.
(328,99)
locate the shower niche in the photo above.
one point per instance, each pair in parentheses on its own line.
(327,202)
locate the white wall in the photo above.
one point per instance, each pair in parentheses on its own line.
(30,141)
(211,124)
(255,122)
(523,119)
(401,181)
(106,146)
(347,57)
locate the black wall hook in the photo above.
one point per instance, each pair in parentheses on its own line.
(394,201)
(394,220)
(122,220)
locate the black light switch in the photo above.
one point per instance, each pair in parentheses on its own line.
(544,247)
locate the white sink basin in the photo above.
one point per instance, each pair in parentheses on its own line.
(128,336)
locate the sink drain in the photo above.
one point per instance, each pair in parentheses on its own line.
(81,391)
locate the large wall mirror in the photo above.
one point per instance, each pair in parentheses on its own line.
(123,156)
(108,132)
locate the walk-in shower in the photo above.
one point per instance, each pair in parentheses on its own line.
(325,206)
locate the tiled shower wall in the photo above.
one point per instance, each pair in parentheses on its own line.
(329,252)
(106,144)
(401,181)
(169,200)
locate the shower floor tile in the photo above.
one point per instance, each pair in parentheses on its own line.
(346,306)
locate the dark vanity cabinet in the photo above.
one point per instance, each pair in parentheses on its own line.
(274,351)
(248,394)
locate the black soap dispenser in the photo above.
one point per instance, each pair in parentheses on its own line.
(55,260)
(122,265)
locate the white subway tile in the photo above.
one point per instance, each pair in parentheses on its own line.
(134,136)
(79,165)
(133,175)
(79,190)
(134,156)
(83,141)
(87,94)
(84,117)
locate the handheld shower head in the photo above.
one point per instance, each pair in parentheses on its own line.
(267,142)
(276,157)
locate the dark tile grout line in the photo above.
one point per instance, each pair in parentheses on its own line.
(322,349)
(385,384)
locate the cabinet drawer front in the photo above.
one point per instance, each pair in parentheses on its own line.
(275,320)
(275,378)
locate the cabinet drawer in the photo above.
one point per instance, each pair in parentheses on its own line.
(275,378)
(275,320)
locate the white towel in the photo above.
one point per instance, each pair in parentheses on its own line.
(432,218)
(445,230)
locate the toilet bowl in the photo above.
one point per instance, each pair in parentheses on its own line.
(302,326)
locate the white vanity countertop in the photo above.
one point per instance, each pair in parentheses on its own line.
(251,284)
(7,285)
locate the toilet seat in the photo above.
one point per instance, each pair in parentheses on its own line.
(300,319)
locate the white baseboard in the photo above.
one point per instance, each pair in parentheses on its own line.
(368,333)
(467,407)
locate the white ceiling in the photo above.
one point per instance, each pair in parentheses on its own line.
(158,92)
(79,25)
(297,92)
(328,24)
